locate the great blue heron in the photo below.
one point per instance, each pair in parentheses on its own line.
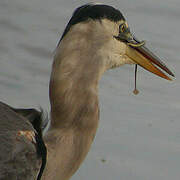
(97,38)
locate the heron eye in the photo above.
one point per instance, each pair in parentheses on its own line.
(122,28)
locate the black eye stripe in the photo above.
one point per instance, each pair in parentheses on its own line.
(93,12)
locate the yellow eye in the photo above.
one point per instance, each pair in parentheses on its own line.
(122,28)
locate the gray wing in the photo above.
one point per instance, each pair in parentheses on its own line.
(21,146)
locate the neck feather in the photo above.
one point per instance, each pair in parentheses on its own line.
(74,105)
(76,71)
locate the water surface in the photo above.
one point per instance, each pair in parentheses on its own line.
(138,136)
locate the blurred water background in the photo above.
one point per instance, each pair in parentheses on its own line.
(138,136)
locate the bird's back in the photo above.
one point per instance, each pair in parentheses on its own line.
(20,156)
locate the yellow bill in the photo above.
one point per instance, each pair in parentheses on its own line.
(146,60)
(140,54)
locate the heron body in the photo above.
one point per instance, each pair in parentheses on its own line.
(21,147)
(97,38)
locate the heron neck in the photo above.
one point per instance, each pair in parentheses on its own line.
(74,84)
(74,99)
(76,71)
(74,113)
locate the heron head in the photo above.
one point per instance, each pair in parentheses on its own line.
(108,36)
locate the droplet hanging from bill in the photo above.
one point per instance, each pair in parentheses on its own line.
(135,89)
